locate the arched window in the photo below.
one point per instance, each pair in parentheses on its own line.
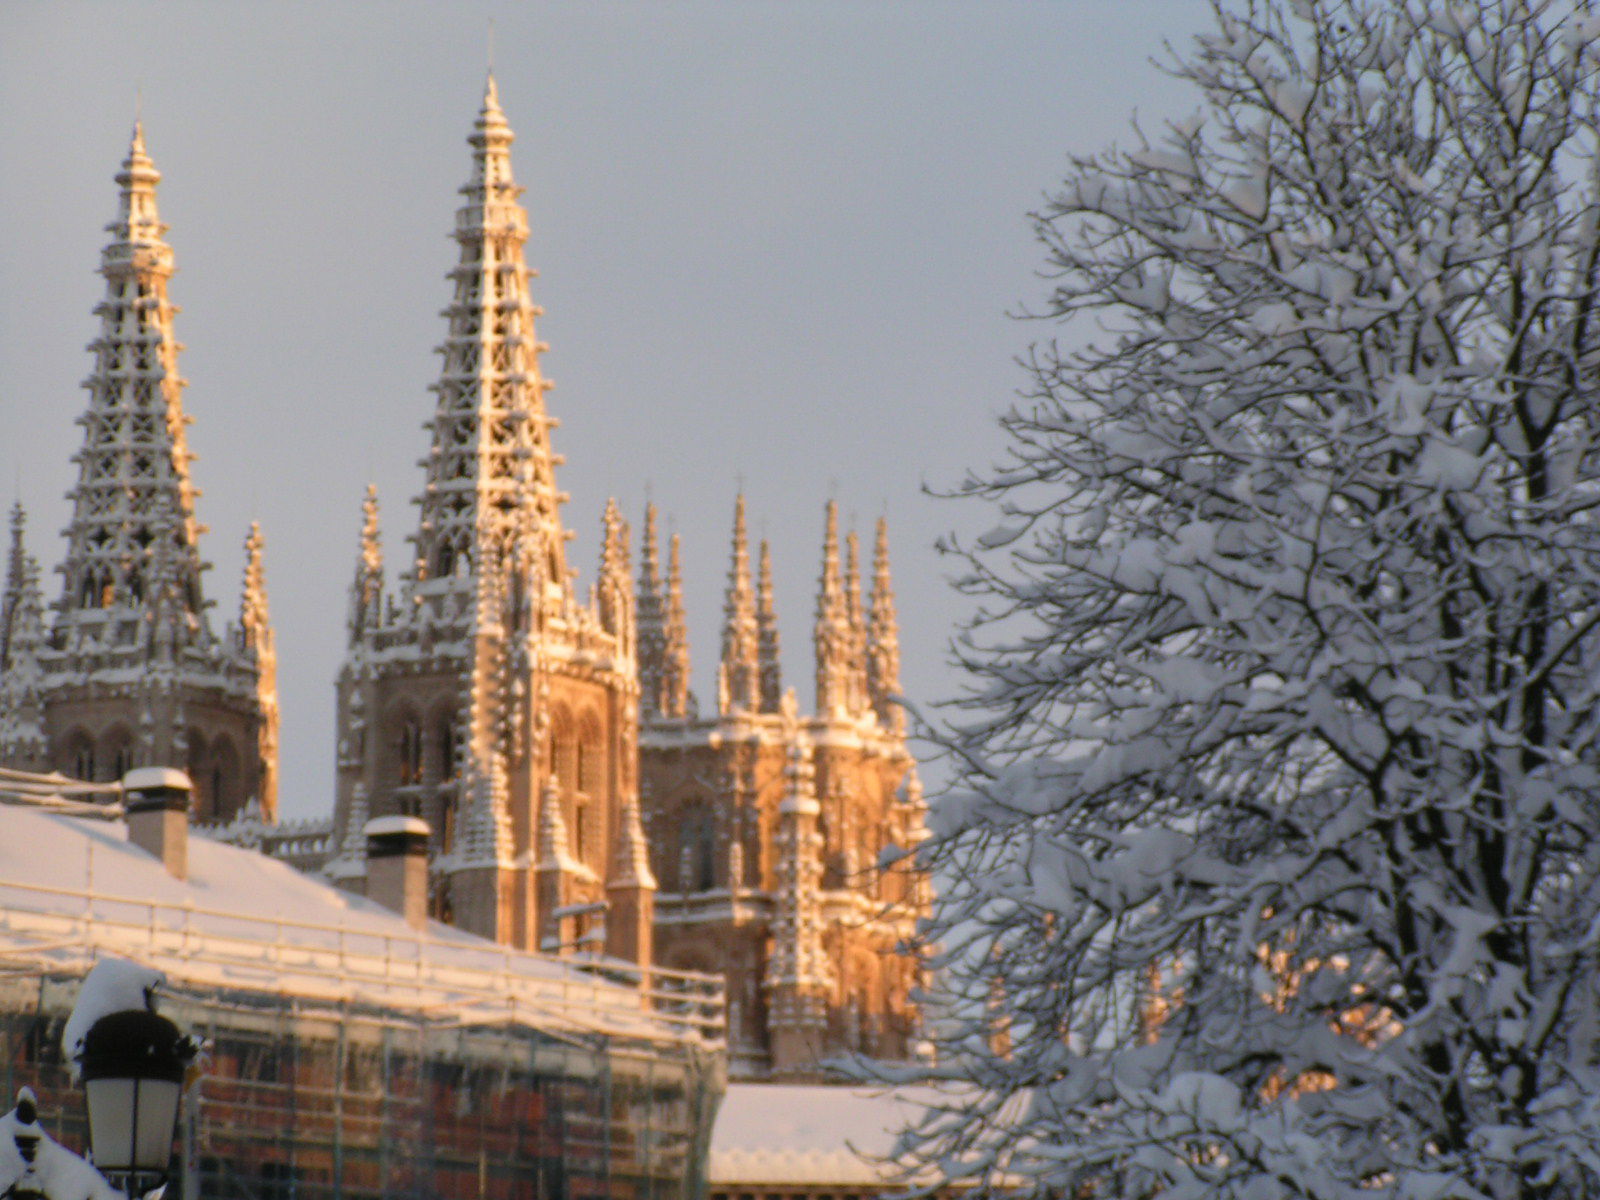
(78,759)
(697,861)
(564,750)
(590,766)
(224,779)
(582,831)
(204,797)
(444,559)
(447,823)
(444,746)
(115,755)
(410,748)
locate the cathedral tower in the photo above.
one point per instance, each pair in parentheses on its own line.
(130,672)
(481,694)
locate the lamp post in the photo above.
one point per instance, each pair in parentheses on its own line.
(133,1065)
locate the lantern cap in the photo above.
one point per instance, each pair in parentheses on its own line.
(135,1044)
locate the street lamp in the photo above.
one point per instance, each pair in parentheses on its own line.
(133,1065)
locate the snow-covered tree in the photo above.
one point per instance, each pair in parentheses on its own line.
(1275,866)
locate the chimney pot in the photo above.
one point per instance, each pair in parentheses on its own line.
(397,866)
(156,800)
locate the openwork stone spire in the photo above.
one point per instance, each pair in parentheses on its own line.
(883,639)
(132,673)
(739,674)
(133,506)
(491,489)
(767,645)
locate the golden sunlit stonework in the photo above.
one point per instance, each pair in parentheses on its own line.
(576,797)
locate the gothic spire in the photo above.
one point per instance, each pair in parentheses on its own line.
(491,489)
(739,674)
(133,506)
(767,649)
(652,622)
(883,639)
(675,653)
(366,590)
(833,636)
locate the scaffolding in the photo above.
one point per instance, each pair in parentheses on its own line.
(310,1101)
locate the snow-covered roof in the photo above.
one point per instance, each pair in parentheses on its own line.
(820,1135)
(72,888)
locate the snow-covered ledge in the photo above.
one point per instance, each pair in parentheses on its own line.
(156,800)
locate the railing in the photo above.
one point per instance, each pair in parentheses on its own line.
(455,981)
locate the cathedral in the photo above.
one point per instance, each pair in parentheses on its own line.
(576,798)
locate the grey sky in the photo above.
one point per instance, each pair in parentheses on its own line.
(776,241)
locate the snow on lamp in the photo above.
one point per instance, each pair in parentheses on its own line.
(133,1065)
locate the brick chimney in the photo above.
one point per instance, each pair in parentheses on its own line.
(397,866)
(156,800)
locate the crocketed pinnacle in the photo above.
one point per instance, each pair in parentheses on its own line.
(675,652)
(833,634)
(883,639)
(554,851)
(255,621)
(23,743)
(133,504)
(614,594)
(651,619)
(366,589)
(491,488)
(16,564)
(767,644)
(630,863)
(798,966)
(740,668)
(855,614)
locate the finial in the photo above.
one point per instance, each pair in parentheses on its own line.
(489,51)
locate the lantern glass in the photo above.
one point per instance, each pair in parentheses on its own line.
(131,1123)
